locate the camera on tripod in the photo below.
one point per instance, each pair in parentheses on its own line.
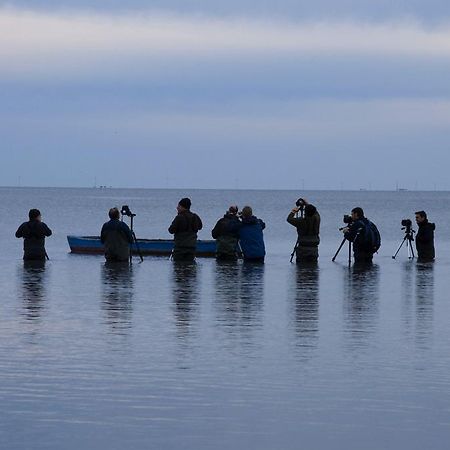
(125,211)
(408,239)
(406,224)
(347,219)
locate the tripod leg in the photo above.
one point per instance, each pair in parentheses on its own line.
(401,245)
(338,250)
(412,250)
(349,253)
(138,248)
(293,251)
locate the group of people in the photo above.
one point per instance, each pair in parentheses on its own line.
(360,232)
(237,234)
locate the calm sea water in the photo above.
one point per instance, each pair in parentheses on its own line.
(223,356)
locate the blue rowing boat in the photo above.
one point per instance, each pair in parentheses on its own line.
(92,245)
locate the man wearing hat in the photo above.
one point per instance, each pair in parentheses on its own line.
(185,227)
(226,234)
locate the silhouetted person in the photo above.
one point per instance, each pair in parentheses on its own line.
(364,236)
(185,227)
(116,237)
(226,235)
(308,228)
(424,237)
(34,233)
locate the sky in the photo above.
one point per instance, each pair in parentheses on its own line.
(238,94)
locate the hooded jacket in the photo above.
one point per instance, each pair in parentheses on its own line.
(425,240)
(251,237)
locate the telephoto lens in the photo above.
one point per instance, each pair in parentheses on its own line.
(348,219)
(125,211)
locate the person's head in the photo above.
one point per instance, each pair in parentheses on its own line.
(310,210)
(184,204)
(34,214)
(114,214)
(233,210)
(357,213)
(421,216)
(247,212)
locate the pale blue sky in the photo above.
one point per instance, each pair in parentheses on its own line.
(207,94)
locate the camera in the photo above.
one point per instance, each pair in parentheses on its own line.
(406,223)
(348,219)
(300,203)
(125,211)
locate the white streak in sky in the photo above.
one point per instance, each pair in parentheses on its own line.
(44,42)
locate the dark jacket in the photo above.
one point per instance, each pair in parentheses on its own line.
(251,237)
(425,241)
(185,227)
(33,234)
(356,234)
(308,229)
(116,237)
(226,233)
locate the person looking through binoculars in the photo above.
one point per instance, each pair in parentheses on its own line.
(363,234)
(424,237)
(226,234)
(306,219)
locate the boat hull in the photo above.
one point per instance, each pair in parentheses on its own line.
(91,245)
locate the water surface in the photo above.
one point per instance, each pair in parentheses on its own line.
(223,356)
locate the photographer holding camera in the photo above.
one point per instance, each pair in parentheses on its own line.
(226,234)
(424,237)
(116,237)
(308,228)
(363,234)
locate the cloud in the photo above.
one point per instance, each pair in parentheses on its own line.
(45,44)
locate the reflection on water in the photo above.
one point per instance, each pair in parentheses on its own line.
(117,295)
(185,295)
(361,296)
(239,297)
(304,296)
(33,283)
(424,301)
(407,284)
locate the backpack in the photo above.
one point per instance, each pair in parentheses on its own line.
(372,238)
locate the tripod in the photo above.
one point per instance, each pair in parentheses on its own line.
(135,241)
(408,239)
(298,238)
(349,251)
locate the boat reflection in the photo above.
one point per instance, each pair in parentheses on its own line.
(117,295)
